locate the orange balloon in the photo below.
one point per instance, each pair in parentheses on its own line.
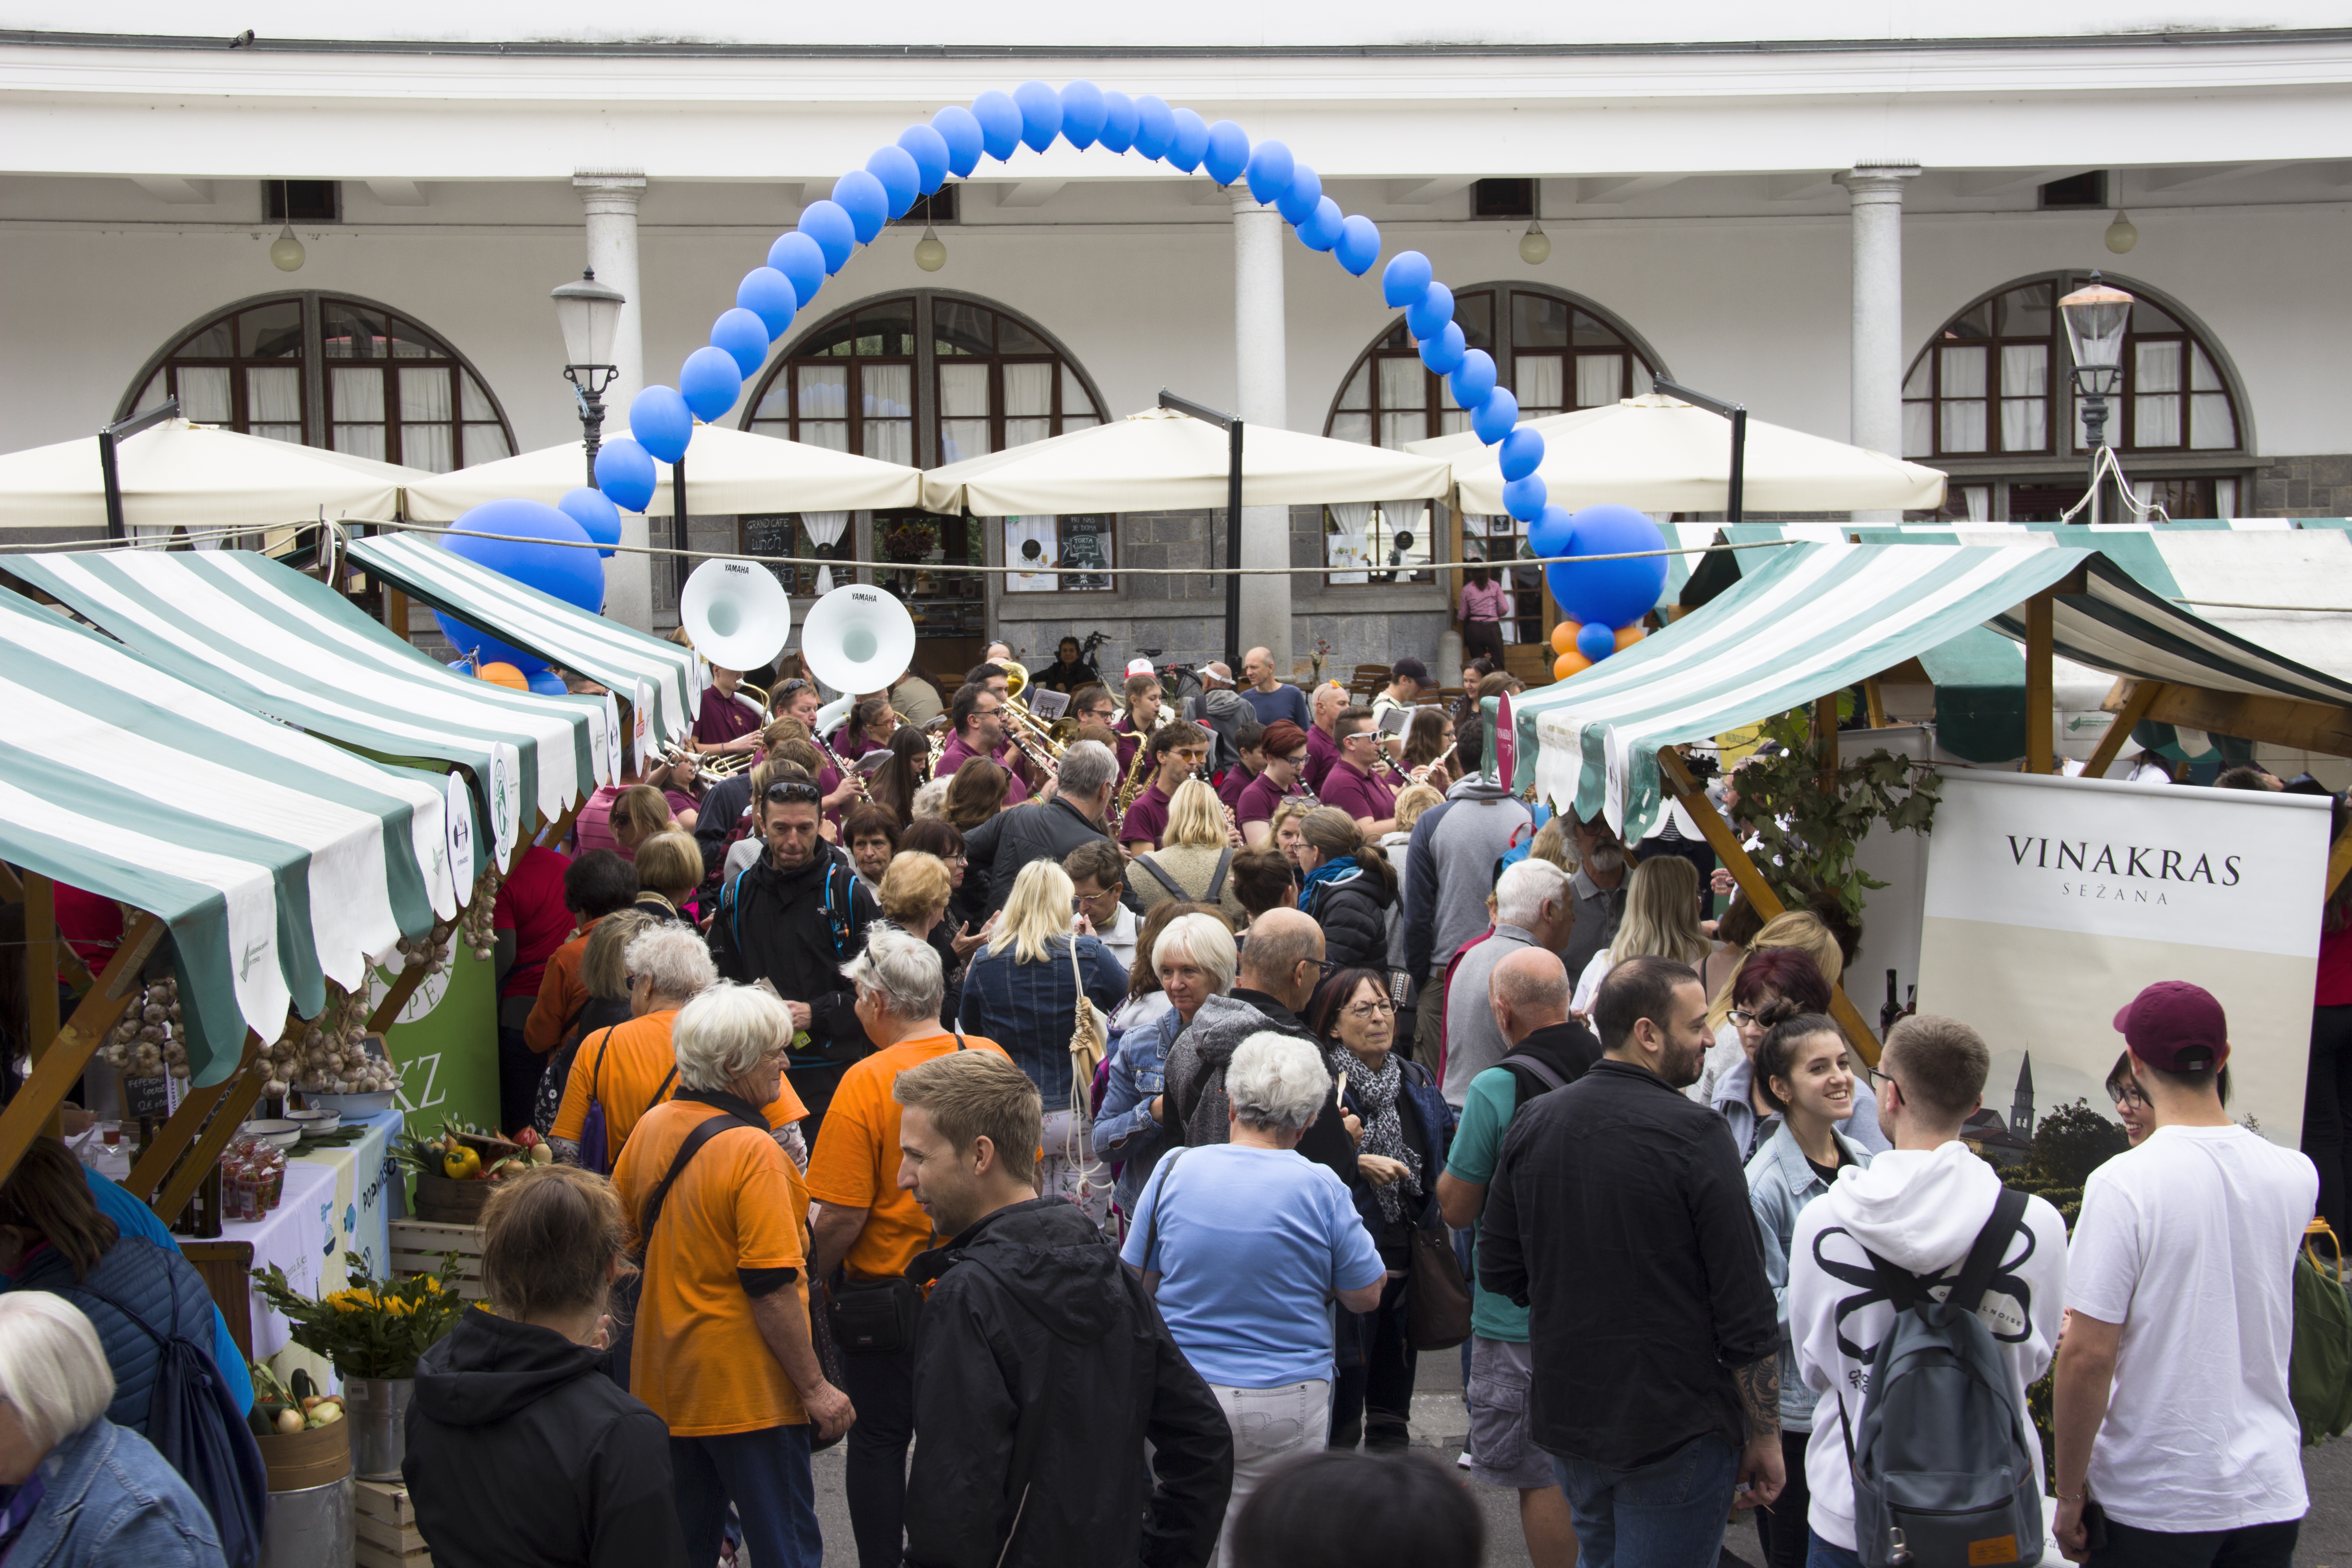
(1628,636)
(1563,637)
(1567,664)
(505,675)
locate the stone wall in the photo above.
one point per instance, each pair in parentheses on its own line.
(2302,487)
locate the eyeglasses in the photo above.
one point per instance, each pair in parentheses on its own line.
(1741,1018)
(775,1056)
(1371,1009)
(1329,966)
(1297,761)
(790,791)
(2127,1097)
(1877,1078)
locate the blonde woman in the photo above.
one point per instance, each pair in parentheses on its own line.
(669,868)
(1194,861)
(1284,827)
(1661,920)
(1022,991)
(638,813)
(1792,928)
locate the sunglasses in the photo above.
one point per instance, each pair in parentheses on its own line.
(793,790)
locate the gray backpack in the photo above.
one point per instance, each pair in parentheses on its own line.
(1943,1473)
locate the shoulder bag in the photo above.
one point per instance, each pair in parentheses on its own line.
(874,1317)
(1088,1036)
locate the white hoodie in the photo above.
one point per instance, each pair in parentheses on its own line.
(1920,1212)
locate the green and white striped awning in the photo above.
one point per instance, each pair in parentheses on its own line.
(1813,618)
(277,860)
(617,657)
(273,641)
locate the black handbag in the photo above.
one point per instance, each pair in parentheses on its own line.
(873,1317)
(1436,1297)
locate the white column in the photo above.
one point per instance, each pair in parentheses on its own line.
(1262,399)
(1875,190)
(610,199)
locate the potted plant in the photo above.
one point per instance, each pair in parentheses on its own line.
(372,1331)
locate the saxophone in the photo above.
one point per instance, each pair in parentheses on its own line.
(1133,785)
(940,730)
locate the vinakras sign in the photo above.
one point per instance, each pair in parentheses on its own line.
(2051,901)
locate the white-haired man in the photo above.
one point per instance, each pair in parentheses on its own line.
(1532,909)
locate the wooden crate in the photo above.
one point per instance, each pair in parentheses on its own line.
(385,1528)
(417,1245)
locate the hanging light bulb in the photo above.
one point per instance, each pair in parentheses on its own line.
(930,253)
(286,252)
(1535,246)
(2122,233)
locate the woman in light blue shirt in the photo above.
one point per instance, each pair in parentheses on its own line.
(1193,957)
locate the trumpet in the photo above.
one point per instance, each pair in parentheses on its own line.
(712,765)
(938,730)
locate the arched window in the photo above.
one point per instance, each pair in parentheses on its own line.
(322,371)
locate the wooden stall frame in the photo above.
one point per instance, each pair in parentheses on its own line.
(235,1102)
(59,1059)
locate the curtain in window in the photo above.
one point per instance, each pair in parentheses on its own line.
(426,441)
(273,402)
(1964,392)
(1918,429)
(825,528)
(1404,401)
(2155,395)
(2210,426)
(964,412)
(1078,409)
(1349,544)
(1598,377)
(888,392)
(2024,398)
(1977,498)
(1402,521)
(1028,404)
(203,393)
(1539,379)
(358,411)
(824,390)
(2225,498)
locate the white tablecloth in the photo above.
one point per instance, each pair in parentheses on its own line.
(299,1236)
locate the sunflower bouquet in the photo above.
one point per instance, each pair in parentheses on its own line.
(372,1328)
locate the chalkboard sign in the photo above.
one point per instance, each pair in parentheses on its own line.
(146,1096)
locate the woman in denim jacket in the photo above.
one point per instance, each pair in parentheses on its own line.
(1195,957)
(1803,1070)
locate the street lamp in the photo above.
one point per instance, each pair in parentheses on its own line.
(2096,317)
(588,312)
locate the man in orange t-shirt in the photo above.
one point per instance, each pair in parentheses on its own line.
(721,1350)
(871,1229)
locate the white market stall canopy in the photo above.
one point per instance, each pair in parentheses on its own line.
(273,641)
(195,476)
(1160,461)
(616,657)
(727,470)
(1818,617)
(278,861)
(1659,454)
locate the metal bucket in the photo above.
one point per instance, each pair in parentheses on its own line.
(377,1408)
(309,1529)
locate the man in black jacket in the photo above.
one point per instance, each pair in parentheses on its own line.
(793,919)
(1042,1367)
(1045,829)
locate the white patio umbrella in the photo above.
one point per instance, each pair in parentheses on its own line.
(1659,454)
(195,476)
(1160,461)
(727,470)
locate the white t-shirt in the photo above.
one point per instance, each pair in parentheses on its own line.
(2200,1435)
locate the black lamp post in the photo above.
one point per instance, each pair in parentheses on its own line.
(2096,317)
(588,312)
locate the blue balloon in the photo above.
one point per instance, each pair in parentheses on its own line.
(1189,142)
(709,380)
(929,148)
(960,130)
(1321,231)
(547,683)
(835,236)
(1041,114)
(1522,453)
(1117,132)
(771,299)
(1000,124)
(1473,379)
(472,640)
(624,472)
(1227,153)
(574,575)
(1360,243)
(1493,419)
(1270,169)
(1298,204)
(1155,127)
(1082,113)
(1406,278)
(1443,352)
(744,336)
(861,195)
(901,177)
(661,422)
(1525,499)
(802,261)
(1612,593)
(1553,533)
(1427,317)
(598,517)
(1596,641)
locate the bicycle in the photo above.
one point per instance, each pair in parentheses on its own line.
(1178,683)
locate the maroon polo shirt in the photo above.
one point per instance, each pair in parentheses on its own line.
(1359,794)
(1147,818)
(1322,751)
(955,753)
(1258,800)
(1237,779)
(723,719)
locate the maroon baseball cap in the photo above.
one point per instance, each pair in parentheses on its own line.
(2175,1027)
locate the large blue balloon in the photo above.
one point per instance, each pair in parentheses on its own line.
(1000,124)
(1360,243)
(1443,352)
(802,261)
(960,129)
(1405,279)
(1227,153)
(1553,533)
(1270,169)
(901,177)
(597,516)
(1521,453)
(1041,114)
(1082,113)
(1493,419)
(1321,231)
(861,195)
(661,422)
(834,233)
(1189,142)
(1298,204)
(1612,593)
(930,152)
(471,639)
(770,298)
(1427,317)
(1596,641)
(1473,379)
(1155,127)
(744,335)
(709,380)
(1525,499)
(1117,132)
(624,472)
(547,683)
(574,575)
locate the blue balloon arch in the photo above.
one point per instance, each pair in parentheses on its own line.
(1035,115)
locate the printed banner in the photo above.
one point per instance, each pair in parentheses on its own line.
(2051,901)
(446,1040)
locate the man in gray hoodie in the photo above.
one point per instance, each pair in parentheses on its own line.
(1449,871)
